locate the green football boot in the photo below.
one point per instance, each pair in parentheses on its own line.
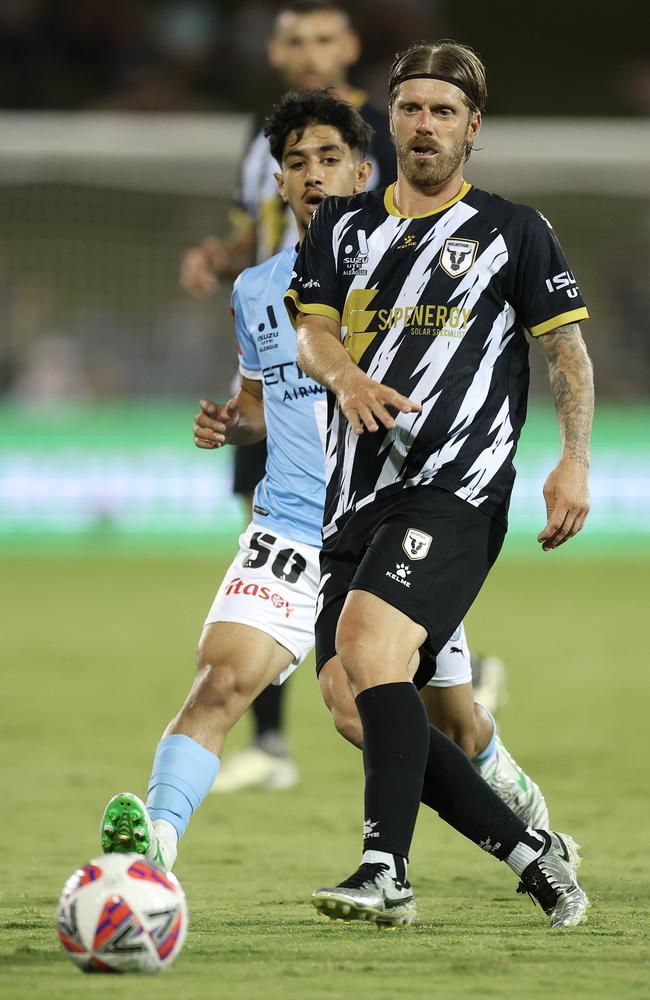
(127,827)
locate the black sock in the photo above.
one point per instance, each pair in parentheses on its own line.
(267,709)
(464,800)
(396,740)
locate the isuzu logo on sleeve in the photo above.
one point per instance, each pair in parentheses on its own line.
(416,543)
(458,256)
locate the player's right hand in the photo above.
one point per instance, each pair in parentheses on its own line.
(201,267)
(215,423)
(365,403)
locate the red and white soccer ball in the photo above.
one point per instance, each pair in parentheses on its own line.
(122,913)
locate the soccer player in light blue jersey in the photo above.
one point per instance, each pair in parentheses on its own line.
(260,625)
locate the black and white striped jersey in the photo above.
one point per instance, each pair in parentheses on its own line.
(437,307)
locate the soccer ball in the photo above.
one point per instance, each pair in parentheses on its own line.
(122,913)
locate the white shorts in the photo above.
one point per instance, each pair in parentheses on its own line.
(272,585)
(453,662)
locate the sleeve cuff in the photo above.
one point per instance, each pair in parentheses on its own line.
(256,376)
(295,306)
(573,316)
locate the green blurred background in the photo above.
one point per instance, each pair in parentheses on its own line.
(125,476)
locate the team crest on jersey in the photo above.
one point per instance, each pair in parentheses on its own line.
(458,256)
(416,543)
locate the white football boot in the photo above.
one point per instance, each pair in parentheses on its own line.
(253,767)
(512,784)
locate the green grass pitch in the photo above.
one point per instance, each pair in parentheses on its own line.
(97,654)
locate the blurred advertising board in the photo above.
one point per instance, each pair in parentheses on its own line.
(130,470)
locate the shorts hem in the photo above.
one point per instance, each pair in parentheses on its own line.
(449,682)
(322,660)
(298,656)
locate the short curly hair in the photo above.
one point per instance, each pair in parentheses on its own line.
(300,108)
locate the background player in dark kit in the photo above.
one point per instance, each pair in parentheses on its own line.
(313,46)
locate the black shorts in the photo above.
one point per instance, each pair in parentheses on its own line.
(422,550)
(250,466)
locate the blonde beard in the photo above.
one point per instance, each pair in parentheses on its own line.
(426,176)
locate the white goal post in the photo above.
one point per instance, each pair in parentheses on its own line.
(97,208)
(147,151)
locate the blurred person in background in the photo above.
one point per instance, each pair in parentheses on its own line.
(313,45)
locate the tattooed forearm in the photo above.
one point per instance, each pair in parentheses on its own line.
(572,384)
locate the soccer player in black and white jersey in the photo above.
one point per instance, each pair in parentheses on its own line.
(412,306)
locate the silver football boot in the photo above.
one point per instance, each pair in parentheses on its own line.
(370,894)
(551,881)
(512,784)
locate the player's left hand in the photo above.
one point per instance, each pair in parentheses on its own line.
(214,423)
(566,493)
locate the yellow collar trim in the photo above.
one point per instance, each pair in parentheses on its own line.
(391,208)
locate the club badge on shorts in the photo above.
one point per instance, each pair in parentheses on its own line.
(416,543)
(457,256)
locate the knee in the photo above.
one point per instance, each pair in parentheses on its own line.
(375,643)
(216,684)
(339,699)
(354,646)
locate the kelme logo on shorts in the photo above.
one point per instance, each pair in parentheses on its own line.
(458,256)
(401,574)
(416,543)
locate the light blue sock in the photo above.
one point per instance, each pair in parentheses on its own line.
(492,745)
(182,775)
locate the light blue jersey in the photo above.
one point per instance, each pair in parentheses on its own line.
(290,498)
